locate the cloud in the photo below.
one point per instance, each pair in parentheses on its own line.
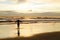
(34,5)
(8,1)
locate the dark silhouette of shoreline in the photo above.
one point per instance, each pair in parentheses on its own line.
(42,36)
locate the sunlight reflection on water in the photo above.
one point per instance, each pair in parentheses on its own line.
(7,31)
(26,30)
(31,29)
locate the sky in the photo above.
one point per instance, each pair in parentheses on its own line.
(30,6)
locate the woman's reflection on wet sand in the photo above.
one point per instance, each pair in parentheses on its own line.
(42,36)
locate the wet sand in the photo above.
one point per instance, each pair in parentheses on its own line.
(42,36)
(27,30)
